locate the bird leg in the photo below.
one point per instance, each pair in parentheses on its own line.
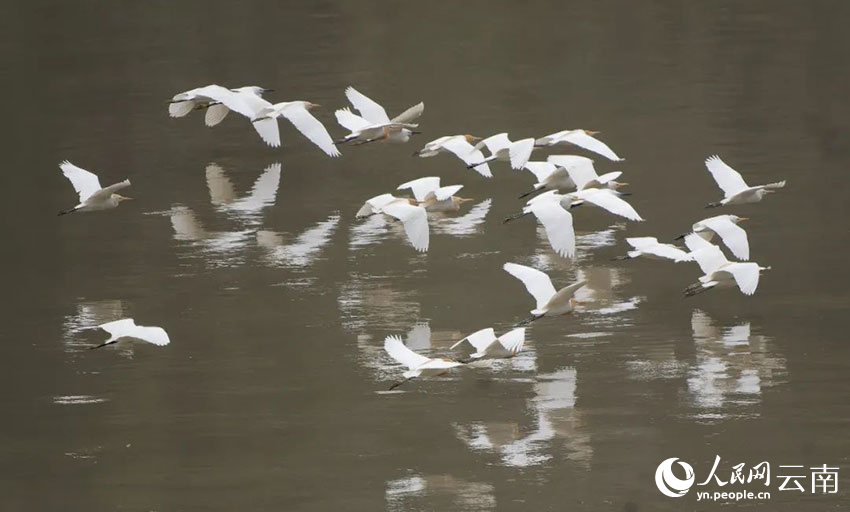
(529,193)
(101,345)
(514,217)
(695,289)
(620,258)
(714,205)
(66,212)
(399,383)
(530,319)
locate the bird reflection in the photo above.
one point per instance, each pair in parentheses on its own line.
(555,416)
(187,228)
(303,250)
(732,366)
(88,316)
(409,492)
(249,207)
(373,301)
(464,225)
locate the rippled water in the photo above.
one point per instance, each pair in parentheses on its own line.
(272,393)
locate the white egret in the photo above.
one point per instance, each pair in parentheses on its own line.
(417,364)
(501,148)
(488,346)
(556,220)
(649,247)
(735,189)
(298,113)
(720,272)
(549,177)
(583,174)
(581,138)
(413,216)
(127,329)
(92,196)
(373,124)
(726,226)
(549,301)
(604,198)
(460,146)
(219,100)
(433,197)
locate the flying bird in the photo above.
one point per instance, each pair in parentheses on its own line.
(583,174)
(92,196)
(488,346)
(373,124)
(219,101)
(413,216)
(726,226)
(649,247)
(459,145)
(127,329)
(501,148)
(549,301)
(718,271)
(433,197)
(417,364)
(298,113)
(553,214)
(549,177)
(581,138)
(735,189)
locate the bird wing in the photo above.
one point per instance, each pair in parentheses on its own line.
(540,170)
(746,275)
(464,150)
(422,186)
(732,234)
(513,340)
(520,152)
(478,339)
(268,131)
(84,182)
(351,121)
(708,256)
(438,364)
(154,335)
(536,282)
(495,142)
(583,140)
(219,185)
(642,242)
(108,191)
(603,198)
(608,176)
(410,114)
(215,114)
(370,110)
(396,349)
(447,192)
(415,221)
(310,127)
(558,224)
(119,328)
(580,169)
(728,179)
(264,191)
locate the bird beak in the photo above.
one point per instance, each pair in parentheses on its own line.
(464,199)
(124,198)
(621,184)
(314,105)
(267,90)
(580,302)
(742,219)
(592,132)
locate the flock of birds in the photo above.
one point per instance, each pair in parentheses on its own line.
(563,182)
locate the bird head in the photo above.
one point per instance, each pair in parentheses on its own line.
(618,184)
(462,200)
(309,106)
(119,197)
(591,132)
(472,139)
(575,302)
(736,219)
